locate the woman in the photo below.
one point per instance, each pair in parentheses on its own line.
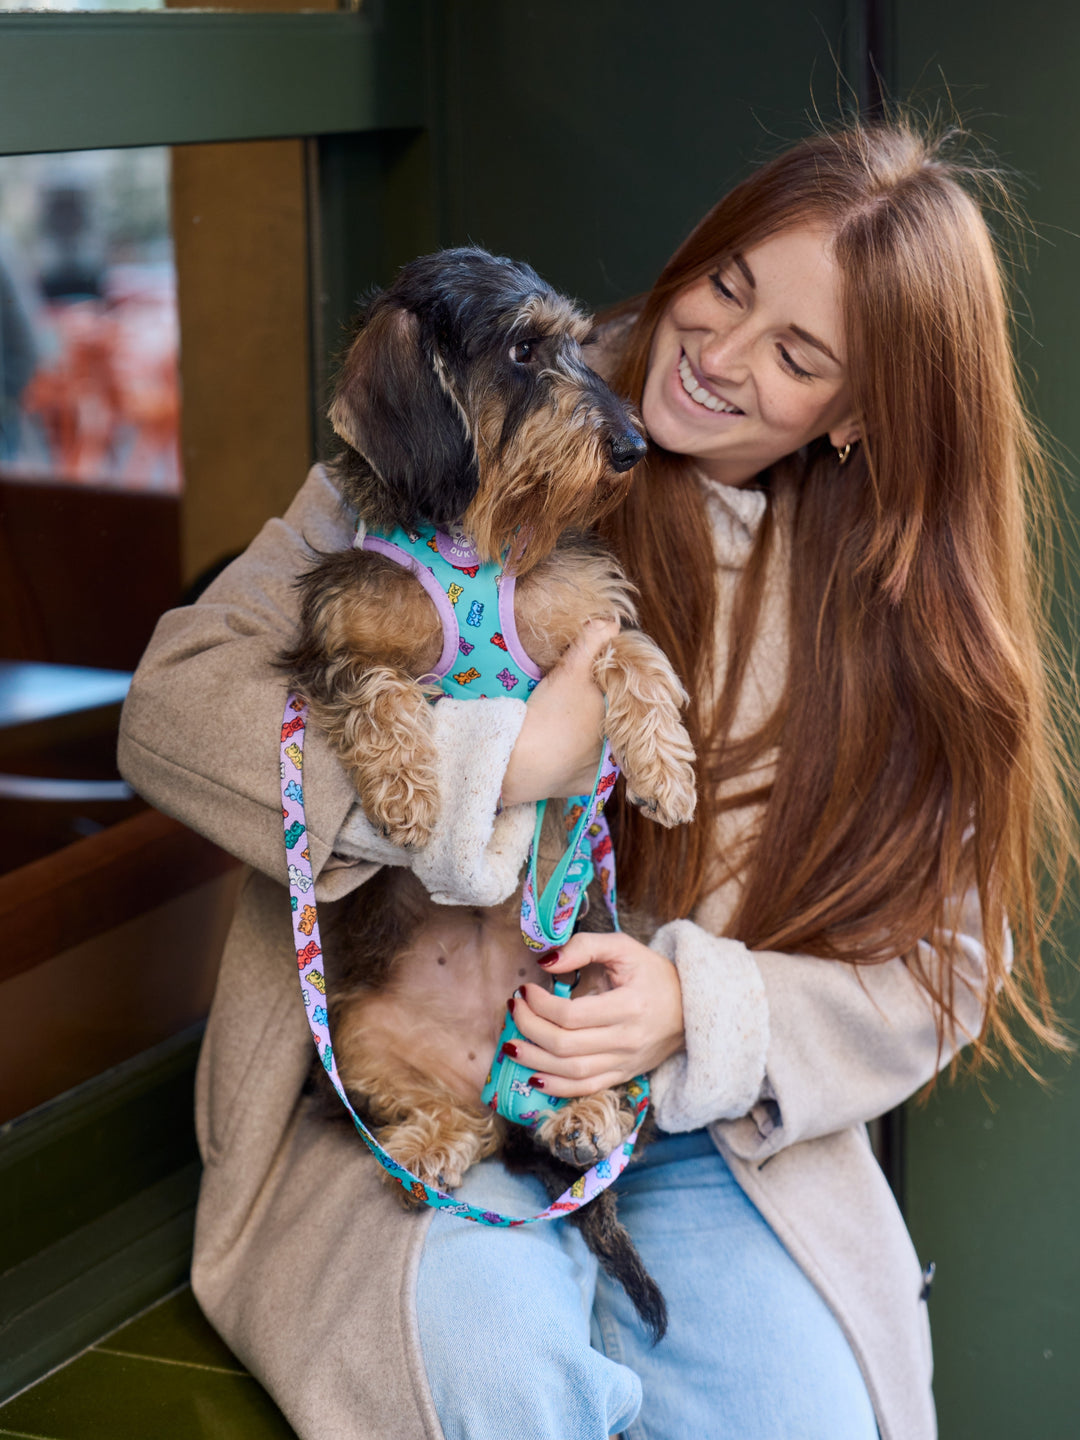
(829,542)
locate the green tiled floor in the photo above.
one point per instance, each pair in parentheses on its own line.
(164,1376)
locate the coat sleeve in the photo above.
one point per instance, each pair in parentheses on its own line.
(199,733)
(782,1048)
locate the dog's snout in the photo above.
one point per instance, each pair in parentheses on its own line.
(627,450)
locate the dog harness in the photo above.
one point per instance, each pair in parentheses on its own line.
(481,656)
(459,583)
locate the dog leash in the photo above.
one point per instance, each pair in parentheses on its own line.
(308,945)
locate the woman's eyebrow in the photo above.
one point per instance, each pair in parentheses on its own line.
(808,339)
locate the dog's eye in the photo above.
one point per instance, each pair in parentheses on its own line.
(524,352)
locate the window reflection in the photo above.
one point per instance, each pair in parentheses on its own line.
(89,392)
(89,475)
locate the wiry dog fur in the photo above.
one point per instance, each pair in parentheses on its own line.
(465,399)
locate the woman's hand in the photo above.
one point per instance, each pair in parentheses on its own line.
(576,1047)
(558,749)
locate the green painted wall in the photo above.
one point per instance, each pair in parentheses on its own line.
(589,138)
(993,1182)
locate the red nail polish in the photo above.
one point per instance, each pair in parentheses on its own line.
(548,959)
(510,1049)
(536,1082)
(510,1004)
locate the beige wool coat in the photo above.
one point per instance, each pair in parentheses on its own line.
(303,1260)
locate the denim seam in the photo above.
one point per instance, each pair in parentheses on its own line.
(613,1350)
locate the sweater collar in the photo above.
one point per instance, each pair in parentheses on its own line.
(736,514)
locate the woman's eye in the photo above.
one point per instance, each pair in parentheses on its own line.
(789,364)
(724,291)
(523,352)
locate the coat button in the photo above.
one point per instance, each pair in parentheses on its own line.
(927,1281)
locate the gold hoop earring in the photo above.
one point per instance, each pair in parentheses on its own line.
(842,454)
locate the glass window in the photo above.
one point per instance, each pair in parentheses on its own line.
(89,474)
(89,392)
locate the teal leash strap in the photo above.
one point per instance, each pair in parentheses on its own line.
(313,989)
(548,918)
(548,921)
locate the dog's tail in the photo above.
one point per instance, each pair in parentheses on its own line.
(610,1242)
(606,1237)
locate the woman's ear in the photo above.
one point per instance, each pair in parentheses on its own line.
(390,407)
(848,432)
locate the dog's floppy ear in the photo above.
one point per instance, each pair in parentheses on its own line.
(390,407)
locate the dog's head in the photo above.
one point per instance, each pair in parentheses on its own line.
(467,399)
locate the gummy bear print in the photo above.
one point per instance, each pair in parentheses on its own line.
(294,792)
(308,953)
(290,727)
(455,592)
(306,922)
(297,878)
(466,677)
(296,755)
(497,639)
(476,613)
(465,646)
(507,678)
(293,833)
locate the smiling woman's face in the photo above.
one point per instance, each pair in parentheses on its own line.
(748,363)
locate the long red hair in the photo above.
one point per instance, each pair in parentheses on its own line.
(917,752)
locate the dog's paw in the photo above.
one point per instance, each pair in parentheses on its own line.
(664,791)
(587,1129)
(404,805)
(648,739)
(442,1166)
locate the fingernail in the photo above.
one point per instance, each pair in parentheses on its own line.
(549,958)
(536,1082)
(519,993)
(510,1004)
(510,1049)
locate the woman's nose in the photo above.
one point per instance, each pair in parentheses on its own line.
(724,355)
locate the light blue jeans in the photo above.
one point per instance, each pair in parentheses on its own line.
(524,1339)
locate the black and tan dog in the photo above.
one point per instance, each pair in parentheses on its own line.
(465,400)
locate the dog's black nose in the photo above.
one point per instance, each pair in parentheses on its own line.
(627,450)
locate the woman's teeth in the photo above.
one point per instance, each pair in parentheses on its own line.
(700,394)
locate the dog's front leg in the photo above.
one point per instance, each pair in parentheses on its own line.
(644,701)
(366,628)
(381,725)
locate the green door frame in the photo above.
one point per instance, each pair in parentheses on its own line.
(172,77)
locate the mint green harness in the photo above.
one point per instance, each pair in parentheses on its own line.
(482,656)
